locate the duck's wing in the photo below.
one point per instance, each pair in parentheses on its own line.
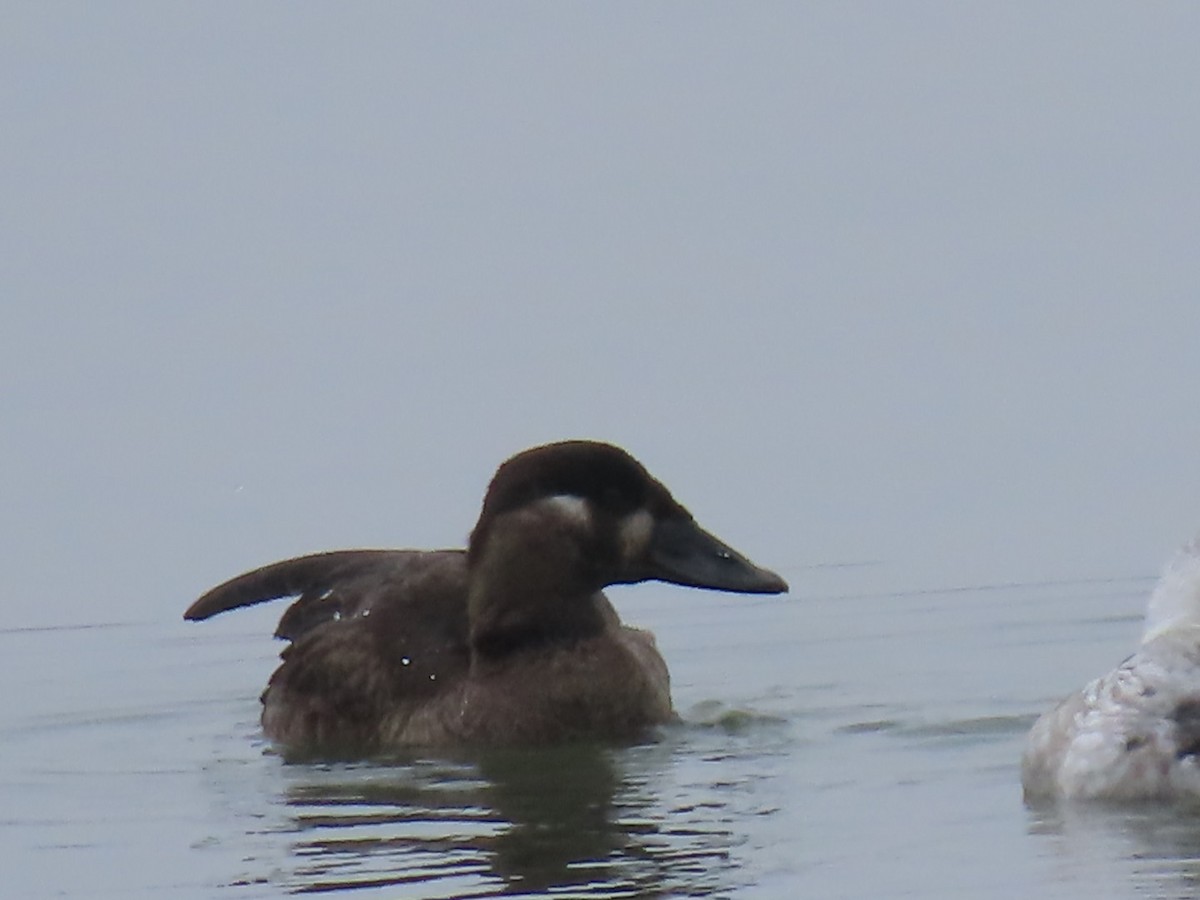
(1131,734)
(329,586)
(384,670)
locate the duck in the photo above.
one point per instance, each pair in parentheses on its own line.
(1133,734)
(509,641)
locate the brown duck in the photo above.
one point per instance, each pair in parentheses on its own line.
(510,641)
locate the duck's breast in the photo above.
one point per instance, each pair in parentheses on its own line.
(612,686)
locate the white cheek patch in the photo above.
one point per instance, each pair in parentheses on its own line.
(572,508)
(634,533)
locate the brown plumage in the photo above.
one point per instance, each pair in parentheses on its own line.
(509,642)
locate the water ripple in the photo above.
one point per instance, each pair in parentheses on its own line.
(584,820)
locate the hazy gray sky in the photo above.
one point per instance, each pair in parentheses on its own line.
(911,281)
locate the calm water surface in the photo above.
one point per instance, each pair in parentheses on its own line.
(855,740)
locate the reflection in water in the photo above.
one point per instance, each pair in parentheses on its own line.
(1154,846)
(564,829)
(362,826)
(586,819)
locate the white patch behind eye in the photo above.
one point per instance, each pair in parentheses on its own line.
(571,507)
(635,532)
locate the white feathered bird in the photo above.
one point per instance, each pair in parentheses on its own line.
(1133,734)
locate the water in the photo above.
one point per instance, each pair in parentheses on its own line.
(848,741)
(284,277)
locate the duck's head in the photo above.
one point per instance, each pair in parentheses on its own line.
(588,515)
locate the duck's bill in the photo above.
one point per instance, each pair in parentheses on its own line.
(682,552)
